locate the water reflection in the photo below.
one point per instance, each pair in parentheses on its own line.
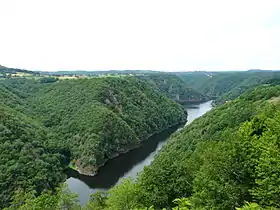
(109,174)
(129,164)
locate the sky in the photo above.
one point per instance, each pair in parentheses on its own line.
(166,35)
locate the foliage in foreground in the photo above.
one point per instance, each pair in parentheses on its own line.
(234,158)
(27,159)
(45,124)
(63,199)
(220,161)
(231,163)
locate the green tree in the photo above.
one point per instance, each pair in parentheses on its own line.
(124,196)
(61,199)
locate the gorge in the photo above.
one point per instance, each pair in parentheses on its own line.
(112,126)
(129,164)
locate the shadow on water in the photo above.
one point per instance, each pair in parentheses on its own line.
(109,174)
(128,164)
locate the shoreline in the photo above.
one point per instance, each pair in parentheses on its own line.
(128,149)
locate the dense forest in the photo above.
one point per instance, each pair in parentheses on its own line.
(225,86)
(101,117)
(28,159)
(226,159)
(174,87)
(228,156)
(47,125)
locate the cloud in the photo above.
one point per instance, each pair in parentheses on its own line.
(128,34)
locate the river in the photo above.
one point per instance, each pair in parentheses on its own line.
(129,164)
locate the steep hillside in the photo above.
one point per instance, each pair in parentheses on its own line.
(44,126)
(224,86)
(226,159)
(174,87)
(102,117)
(219,161)
(206,163)
(28,158)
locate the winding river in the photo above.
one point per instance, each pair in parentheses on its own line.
(129,164)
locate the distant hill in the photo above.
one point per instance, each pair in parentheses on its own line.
(2,67)
(94,73)
(224,86)
(179,86)
(5,72)
(174,87)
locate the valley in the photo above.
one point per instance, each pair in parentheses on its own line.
(106,134)
(129,164)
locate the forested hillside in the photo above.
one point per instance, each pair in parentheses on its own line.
(174,87)
(101,117)
(224,86)
(227,159)
(44,126)
(28,159)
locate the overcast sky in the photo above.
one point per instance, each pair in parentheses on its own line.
(144,34)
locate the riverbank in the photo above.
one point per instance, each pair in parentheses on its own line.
(75,167)
(128,164)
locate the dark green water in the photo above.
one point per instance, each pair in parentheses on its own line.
(129,164)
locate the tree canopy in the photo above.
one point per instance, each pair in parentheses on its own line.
(227,159)
(45,125)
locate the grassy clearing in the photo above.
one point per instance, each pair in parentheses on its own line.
(73,166)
